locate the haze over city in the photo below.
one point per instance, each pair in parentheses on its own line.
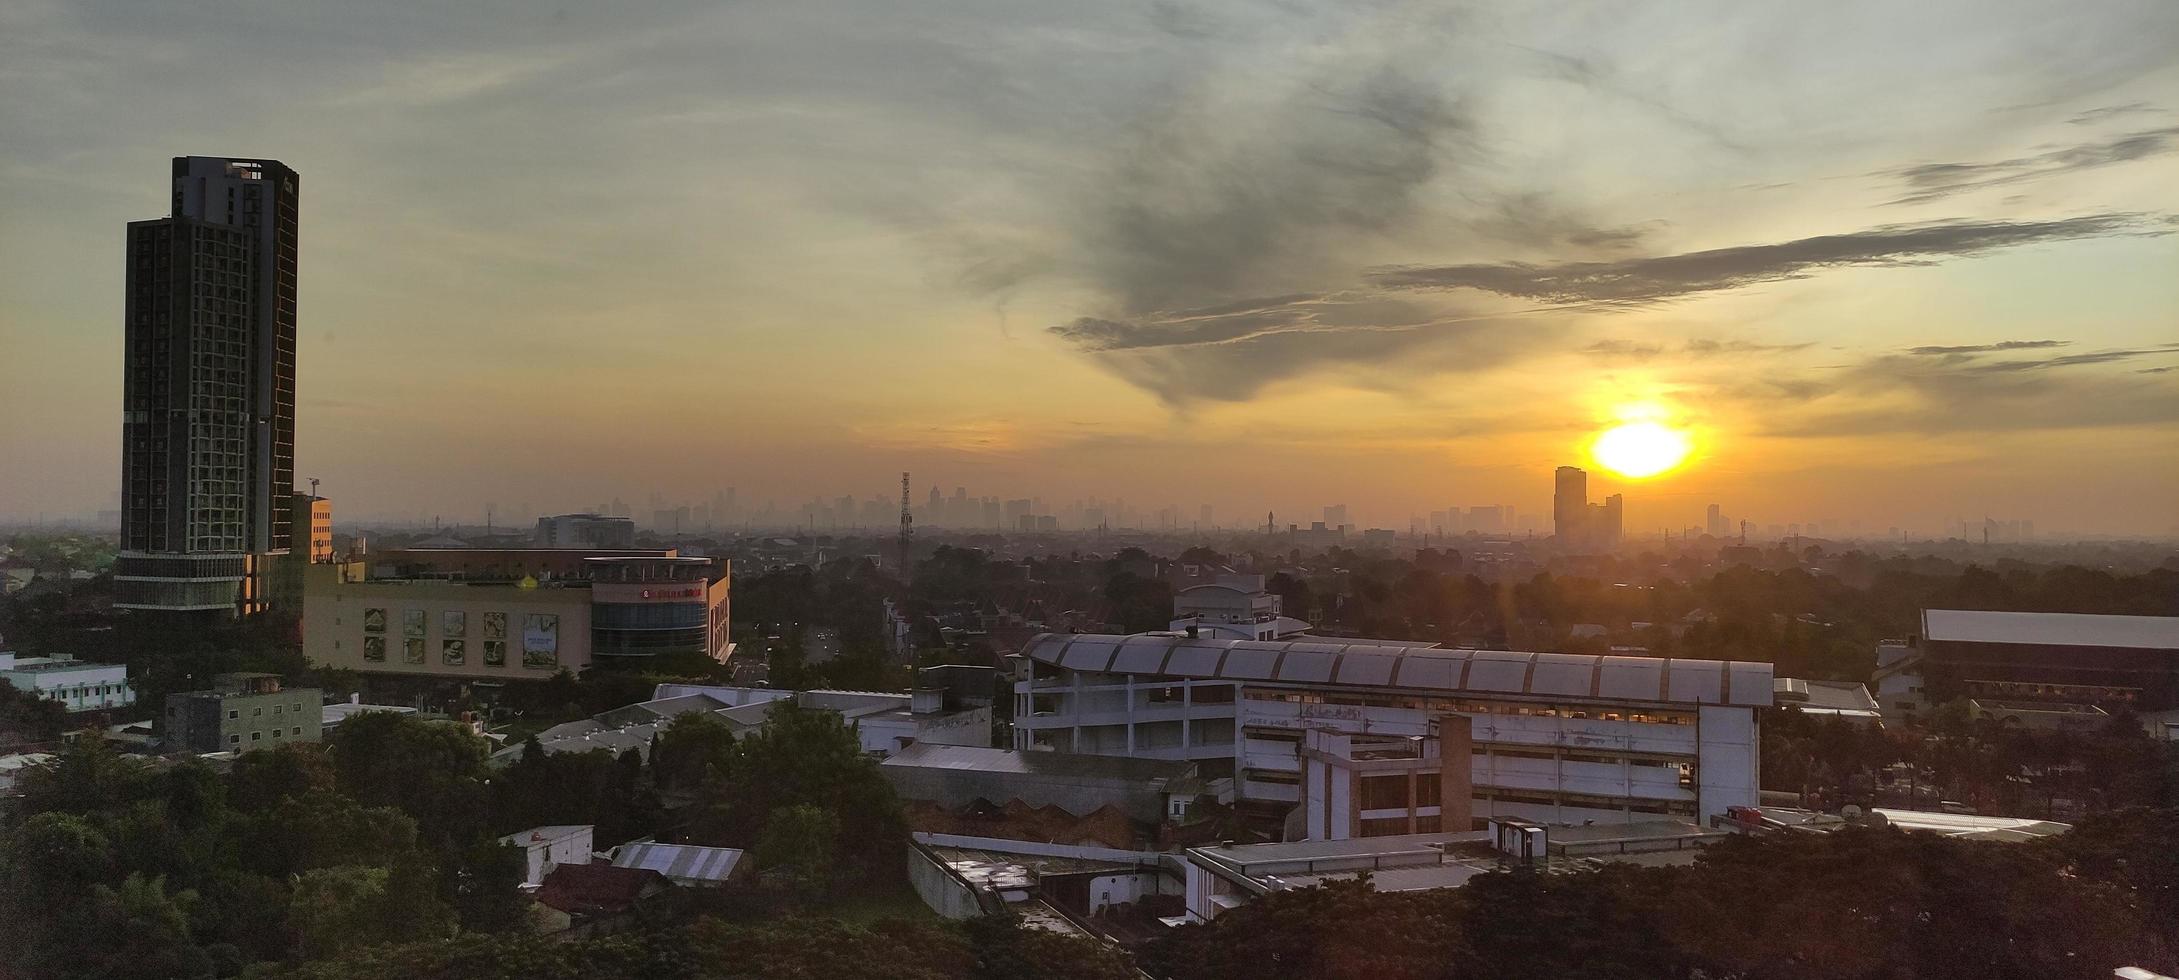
(1396,256)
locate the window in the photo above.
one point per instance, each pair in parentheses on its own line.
(276,709)
(1383,792)
(276,733)
(257,712)
(233,713)
(254,736)
(234,739)
(298,730)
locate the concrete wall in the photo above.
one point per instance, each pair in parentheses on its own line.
(939,888)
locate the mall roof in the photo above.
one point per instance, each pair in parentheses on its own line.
(1412,666)
(2051,629)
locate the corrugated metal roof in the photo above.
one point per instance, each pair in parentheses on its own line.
(680,862)
(1414,666)
(2051,629)
(1071,765)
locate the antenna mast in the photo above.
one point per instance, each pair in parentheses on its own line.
(907,526)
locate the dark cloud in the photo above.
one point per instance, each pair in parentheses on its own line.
(2100,114)
(1185,219)
(1931,181)
(1632,282)
(1697,348)
(1987,348)
(1964,390)
(2077,360)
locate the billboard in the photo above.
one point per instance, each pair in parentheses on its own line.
(541,640)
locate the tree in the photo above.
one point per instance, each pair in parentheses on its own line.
(694,747)
(797,848)
(807,756)
(434,771)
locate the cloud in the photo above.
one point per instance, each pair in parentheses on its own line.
(1640,281)
(1692,349)
(1932,181)
(1987,348)
(2100,114)
(2077,360)
(1963,389)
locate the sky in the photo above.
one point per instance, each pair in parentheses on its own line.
(1899,263)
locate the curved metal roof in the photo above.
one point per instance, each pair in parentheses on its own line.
(1330,662)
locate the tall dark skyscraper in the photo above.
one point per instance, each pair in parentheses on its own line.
(208,393)
(1570,506)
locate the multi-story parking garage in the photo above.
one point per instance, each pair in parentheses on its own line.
(1551,737)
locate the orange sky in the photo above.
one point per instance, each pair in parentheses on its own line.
(1897,266)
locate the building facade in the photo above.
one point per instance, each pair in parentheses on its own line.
(208,390)
(242,712)
(2020,657)
(585,531)
(78,685)
(493,616)
(1548,737)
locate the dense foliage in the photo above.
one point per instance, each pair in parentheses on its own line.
(1857,904)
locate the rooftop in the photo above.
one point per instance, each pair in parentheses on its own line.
(2051,629)
(1377,664)
(679,861)
(1067,765)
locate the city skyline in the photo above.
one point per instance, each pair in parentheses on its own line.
(1423,258)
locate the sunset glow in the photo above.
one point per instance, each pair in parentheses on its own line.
(1641,448)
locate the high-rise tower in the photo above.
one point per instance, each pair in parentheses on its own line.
(1570,507)
(208,389)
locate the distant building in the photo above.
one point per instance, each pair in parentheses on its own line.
(1570,505)
(2106,661)
(208,390)
(513,614)
(79,685)
(1846,701)
(546,848)
(883,722)
(242,712)
(585,531)
(310,537)
(1234,607)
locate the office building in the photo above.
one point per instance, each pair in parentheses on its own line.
(79,685)
(242,712)
(1579,525)
(513,614)
(208,390)
(1548,737)
(1570,505)
(572,531)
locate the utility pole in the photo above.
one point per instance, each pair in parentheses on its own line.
(907,527)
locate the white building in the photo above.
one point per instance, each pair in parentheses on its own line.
(546,848)
(1235,607)
(883,722)
(1555,738)
(77,684)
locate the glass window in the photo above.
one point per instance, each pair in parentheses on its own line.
(298,730)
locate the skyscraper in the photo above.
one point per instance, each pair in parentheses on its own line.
(208,389)
(1570,506)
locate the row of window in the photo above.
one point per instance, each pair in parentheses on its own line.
(236,739)
(1649,716)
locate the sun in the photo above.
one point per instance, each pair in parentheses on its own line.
(1640,448)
